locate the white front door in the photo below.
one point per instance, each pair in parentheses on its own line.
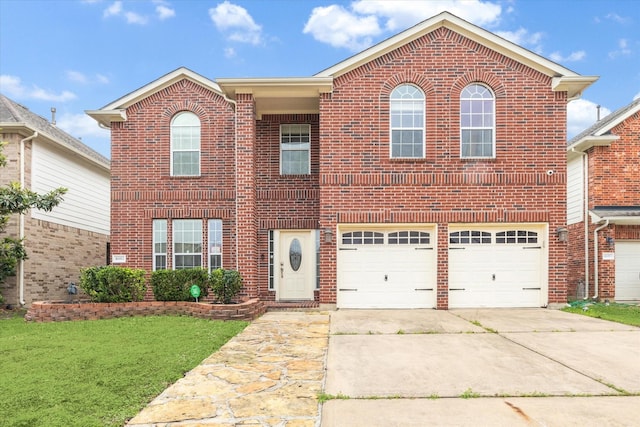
(296,265)
(627,270)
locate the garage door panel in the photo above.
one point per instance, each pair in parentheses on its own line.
(495,268)
(627,270)
(396,270)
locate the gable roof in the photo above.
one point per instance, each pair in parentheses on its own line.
(301,94)
(563,78)
(116,111)
(14,115)
(600,132)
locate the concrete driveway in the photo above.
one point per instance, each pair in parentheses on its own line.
(480,367)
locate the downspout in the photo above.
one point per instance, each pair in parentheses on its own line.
(595,256)
(235,146)
(585,215)
(21,217)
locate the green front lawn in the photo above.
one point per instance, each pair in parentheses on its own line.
(621,313)
(101,372)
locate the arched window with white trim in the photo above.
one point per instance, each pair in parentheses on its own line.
(185,145)
(477,122)
(407,122)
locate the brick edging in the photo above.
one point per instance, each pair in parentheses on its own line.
(58,311)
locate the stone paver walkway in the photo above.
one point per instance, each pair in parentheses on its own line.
(269,375)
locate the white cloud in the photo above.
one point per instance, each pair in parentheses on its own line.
(11,86)
(338,27)
(523,37)
(14,88)
(581,114)
(81,78)
(637,96)
(617,18)
(623,49)
(403,14)
(572,57)
(229,52)
(76,76)
(81,126)
(113,10)
(135,18)
(355,28)
(236,23)
(165,12)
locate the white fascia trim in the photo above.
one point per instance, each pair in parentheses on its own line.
(592,141)
(617,121)
(621,220)
(452,22)
(284,87)
(105,117)
(574,85)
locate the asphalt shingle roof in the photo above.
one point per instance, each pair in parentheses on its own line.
(13,113)
(602,124)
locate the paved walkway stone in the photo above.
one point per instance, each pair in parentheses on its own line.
(269,375)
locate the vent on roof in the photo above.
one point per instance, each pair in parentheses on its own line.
(53,116)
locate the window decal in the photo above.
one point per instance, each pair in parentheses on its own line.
(410,237)
(472,237)
(516,237)
(363,238)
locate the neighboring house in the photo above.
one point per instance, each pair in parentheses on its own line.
(603,208)
(426,171)
(74,234)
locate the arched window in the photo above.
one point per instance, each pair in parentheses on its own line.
(477,122)
(407,122)
(185,145)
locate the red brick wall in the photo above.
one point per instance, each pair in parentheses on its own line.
(360,183)
(614,180)
(141,186)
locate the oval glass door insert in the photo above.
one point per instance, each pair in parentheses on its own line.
(295,254)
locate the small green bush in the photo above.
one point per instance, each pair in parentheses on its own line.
(225,284)
(113,284)
(175,285)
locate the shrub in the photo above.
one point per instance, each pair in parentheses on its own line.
(225,284)
(175,285)
(113,284)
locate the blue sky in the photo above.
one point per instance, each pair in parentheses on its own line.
(78,55)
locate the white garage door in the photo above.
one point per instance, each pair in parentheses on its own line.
(497,267)
(386,269)
(627,270)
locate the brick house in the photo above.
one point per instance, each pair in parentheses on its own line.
(73,235)
(426,171)
(603,208)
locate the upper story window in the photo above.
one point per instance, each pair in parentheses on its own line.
(295,153)
(407,122)
(185,145)
(477,122)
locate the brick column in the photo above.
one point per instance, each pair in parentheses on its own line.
(246,194)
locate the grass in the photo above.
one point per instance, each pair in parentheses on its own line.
(97,373)
(621,313)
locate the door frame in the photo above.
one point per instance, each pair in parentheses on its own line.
(280,253)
